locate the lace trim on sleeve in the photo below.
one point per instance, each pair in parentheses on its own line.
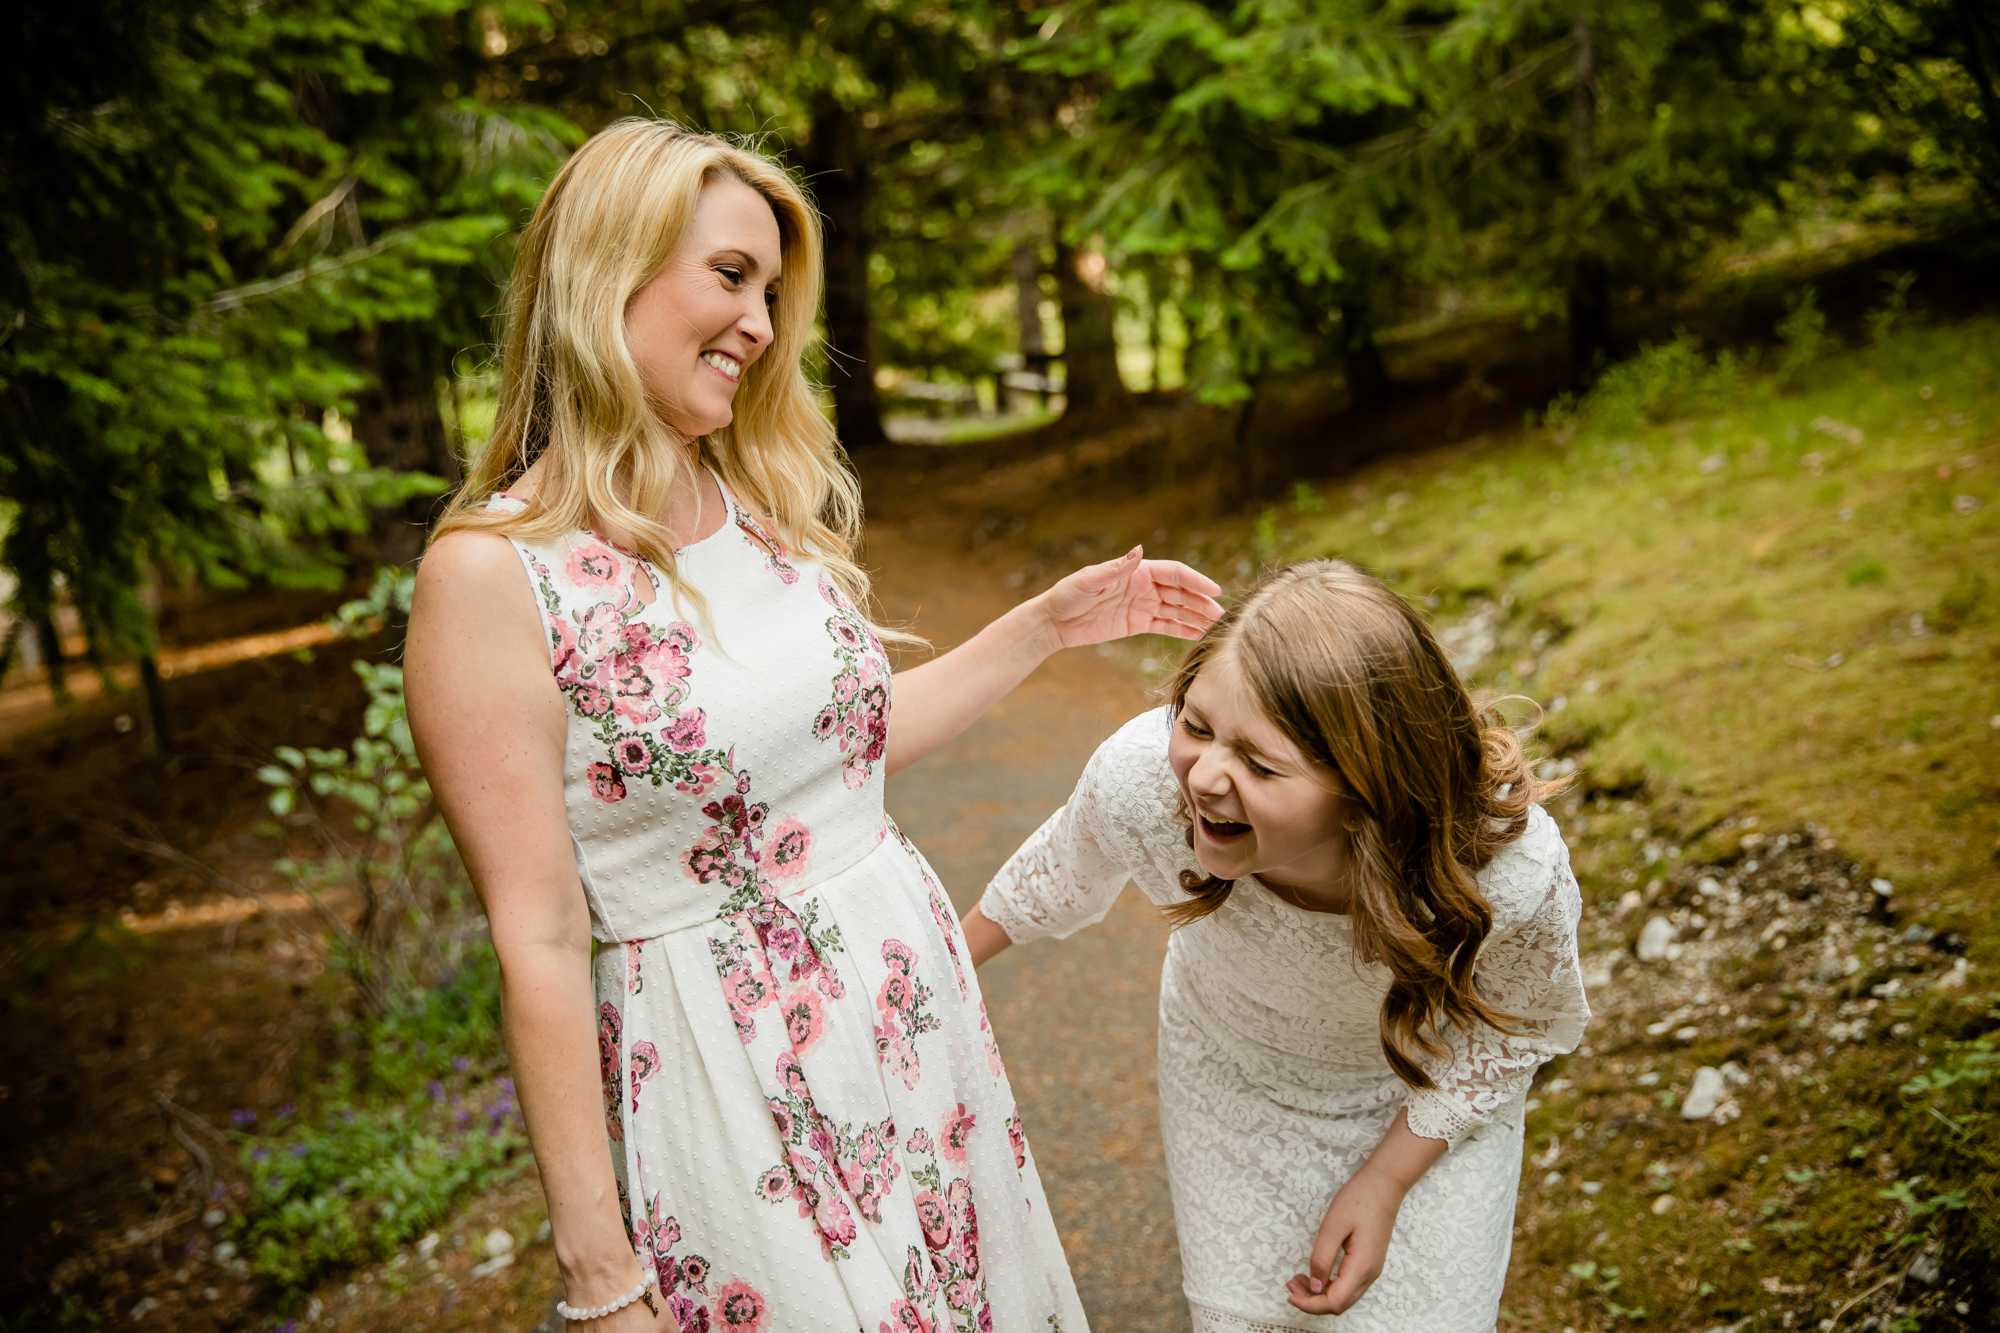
(1530,971)
(1068,874)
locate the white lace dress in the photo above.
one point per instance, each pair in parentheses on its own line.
(811,1126)
(1273,1086)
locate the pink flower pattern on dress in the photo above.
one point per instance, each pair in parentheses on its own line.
(610,1043)
(634,678)
(858,717)
(901,1016)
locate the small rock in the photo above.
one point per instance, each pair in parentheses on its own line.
(1882,887)
(1663,1205)
(492,1266)
(1552,1179)
(1632,901)
(214,1217)
(1687,1034)
(1591,1186)
(144,1308)
(1597,972)
(1919,935)
(1733,1074)
(1926,1269)
(1654,939)
(224,1252)
(427,1245)
(1649,1079)
(1708,1092)
(1955,977)
(1708,886)
(498,1242)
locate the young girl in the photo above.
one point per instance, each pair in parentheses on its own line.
(1376,947)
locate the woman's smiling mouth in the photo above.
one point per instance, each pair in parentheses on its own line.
(723,364)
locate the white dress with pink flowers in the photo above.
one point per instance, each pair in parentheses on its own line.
(811,1124)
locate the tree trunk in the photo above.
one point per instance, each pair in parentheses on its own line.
(1090,352)
(156,705)
(837,168)
(399,426)
(1360,355)
(52,656)
(1027,269)
(1589,296)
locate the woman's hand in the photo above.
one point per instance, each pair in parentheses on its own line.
(1356,1233)
(1130,595)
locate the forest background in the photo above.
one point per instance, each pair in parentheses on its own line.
(253,253)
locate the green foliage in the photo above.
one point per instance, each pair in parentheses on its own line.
(1803,332)
(394,1144)
(376,830)
(1662,381)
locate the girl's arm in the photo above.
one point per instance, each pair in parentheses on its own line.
(1361,1219)
(1130,595)
(490,725)
(1071,869)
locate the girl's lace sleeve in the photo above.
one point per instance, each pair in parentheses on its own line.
(1067,875)
(1528,970)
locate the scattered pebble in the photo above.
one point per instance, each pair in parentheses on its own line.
(214,1217)
(224,1252)
(1964,505)
(498,1242)
(1663,1205)
(1708,1092)
(1591,1186)
(427,1245)
(1654,940)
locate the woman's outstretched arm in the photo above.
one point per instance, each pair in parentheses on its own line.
(490,726)
(1126,596)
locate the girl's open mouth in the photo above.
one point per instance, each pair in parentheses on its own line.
(1222,830)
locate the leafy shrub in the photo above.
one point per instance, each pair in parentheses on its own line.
(1665,380)
(378,830)
(423,1118)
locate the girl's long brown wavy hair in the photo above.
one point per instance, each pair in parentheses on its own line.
(1352,675)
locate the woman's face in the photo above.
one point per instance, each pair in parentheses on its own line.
(701,321)
(1260,806)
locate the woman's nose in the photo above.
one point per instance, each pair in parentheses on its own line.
(755,323)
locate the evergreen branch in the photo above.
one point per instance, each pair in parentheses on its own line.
(298,277)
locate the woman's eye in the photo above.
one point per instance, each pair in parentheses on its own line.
(771,300)
(1192,730)
(731,275)
(1258,770)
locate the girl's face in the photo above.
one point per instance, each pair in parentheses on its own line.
(1260,806)
(706,315)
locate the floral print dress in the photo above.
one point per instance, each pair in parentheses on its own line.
(810,1121)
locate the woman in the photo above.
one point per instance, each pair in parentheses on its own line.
(654,714)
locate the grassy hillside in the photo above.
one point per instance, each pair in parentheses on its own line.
(1757,609)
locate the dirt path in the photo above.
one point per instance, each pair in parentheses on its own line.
(1076,1018)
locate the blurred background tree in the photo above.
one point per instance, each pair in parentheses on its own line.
(253,251)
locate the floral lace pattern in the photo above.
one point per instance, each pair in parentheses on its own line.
(858,717)
(1273,1085)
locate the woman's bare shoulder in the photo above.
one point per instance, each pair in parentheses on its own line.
(471,578)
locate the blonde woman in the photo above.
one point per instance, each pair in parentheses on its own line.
(1376,950)
(656,715)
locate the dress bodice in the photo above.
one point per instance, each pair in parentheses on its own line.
(716,753)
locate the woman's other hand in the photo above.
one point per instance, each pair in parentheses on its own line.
(1131,595)
(1355,1233)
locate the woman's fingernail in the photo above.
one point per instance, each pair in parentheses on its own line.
(1318,1286)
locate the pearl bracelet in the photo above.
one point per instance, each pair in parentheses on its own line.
(641,1292)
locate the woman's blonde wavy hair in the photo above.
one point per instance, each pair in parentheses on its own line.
(571,396)
(1353,677)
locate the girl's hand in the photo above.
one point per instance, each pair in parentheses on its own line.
(1356,1232)
(1130,595)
